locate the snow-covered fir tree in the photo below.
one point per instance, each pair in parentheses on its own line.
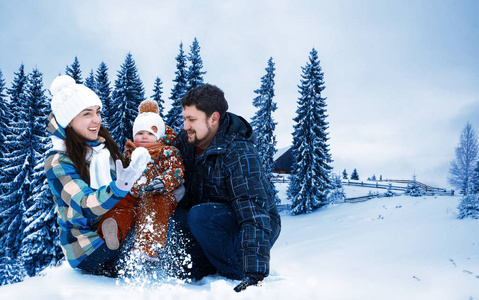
(355,175)
(11,270)
(157,92)
(195,75)
(310,178)
(40,246)
(461,172)
(104,93)
(263,123)
(475,180)
(19,169)
(90,81)
(389,192)
(74,71)
(174,119)
(469,206)
(413,189)
(127,95)
(5,117)
(345,174)
(336,193)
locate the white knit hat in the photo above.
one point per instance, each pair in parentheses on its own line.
(70,98)
(149,119)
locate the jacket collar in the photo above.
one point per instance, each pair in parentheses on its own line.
(232,128)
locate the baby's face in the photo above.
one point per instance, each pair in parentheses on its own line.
(144,137)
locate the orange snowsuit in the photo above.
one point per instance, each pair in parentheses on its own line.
(150,211)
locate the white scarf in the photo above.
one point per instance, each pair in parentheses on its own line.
(100,162)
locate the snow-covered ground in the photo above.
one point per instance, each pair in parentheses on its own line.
(385,248)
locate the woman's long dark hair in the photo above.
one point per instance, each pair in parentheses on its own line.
(76,150)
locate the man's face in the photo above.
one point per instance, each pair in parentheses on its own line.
(200,128)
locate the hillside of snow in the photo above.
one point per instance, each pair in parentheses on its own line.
(385,248)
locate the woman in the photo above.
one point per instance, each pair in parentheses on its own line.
(86,175)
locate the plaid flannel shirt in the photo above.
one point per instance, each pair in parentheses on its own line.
(79,208)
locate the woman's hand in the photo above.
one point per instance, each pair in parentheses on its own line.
(125,178)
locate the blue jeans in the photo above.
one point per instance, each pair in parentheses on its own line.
(215,228)
(104,261)
(181,242)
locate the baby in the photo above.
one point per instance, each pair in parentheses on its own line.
(163,174)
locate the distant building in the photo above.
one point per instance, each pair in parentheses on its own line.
(283,162)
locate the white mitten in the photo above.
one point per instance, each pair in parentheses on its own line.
(140,156)
(125,178)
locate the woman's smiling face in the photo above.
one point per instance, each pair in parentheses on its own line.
(87,123)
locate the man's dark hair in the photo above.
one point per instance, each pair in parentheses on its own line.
(207,98)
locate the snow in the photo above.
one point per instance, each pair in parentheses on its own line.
(385,248)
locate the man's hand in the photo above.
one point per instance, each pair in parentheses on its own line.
(249,280)
(179,192)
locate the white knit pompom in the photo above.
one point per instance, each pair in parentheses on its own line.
(60,82)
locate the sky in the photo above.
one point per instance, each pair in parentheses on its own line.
(401,77)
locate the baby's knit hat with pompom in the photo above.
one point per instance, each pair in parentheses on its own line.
(149,119)
(70,99)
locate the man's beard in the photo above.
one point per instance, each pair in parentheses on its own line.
(196,141)
(192,139)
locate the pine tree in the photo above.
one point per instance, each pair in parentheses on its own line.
(104,93)
(355,175)
(74,71)
(469,207)
(174,117)
(310,178)
(40,245)
(263,123)
(90,82)
(157,92)
(19,157)
(127,95)
(336,194)
(475,180)
(5,117)
(11,270)
(345,174)
(195,75)
(413,189)
(389,192)
(461,172)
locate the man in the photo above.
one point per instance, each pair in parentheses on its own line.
(231,209)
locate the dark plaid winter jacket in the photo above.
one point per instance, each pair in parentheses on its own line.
(230,171)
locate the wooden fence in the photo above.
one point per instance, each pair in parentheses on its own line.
(423,186)
(428,190)
(385,184)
